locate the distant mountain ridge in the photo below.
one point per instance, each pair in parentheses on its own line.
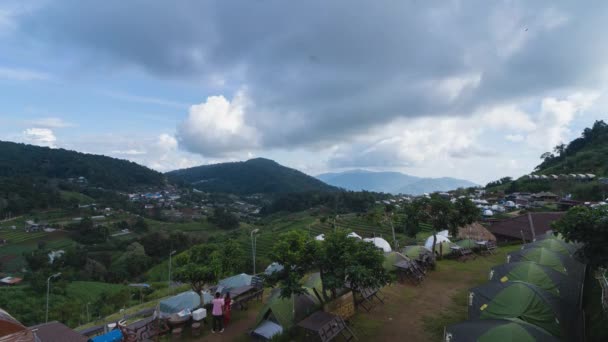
(257,175)
(391,182)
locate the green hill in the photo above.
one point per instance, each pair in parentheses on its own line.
(20,160)
(586,154)
(253,176)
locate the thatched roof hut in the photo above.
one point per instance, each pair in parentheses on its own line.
(475,231)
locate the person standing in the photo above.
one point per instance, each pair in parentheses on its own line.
(227,307)
(217,312)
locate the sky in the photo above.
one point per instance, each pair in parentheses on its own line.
(469,89)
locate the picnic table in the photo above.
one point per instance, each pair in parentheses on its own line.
(327,326)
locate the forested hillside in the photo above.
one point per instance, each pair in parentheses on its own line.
(31,177)
(253,176)
(20,160)
(586,154)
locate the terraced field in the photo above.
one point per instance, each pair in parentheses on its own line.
(18,236)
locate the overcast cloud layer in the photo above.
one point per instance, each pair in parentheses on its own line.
(377,84)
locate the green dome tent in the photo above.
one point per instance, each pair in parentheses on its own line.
(517,299)
(554,245)
(467,243)
(496,330)
(544,277)
(546,257)
(390,259)
(415,252)
(287,312)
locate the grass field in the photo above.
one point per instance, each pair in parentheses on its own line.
(90,290)
(11,255)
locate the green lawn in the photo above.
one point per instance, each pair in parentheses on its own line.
(81,198)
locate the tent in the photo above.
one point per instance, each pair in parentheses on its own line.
(380,243)
(488,212)
(443,240)
(546,257)
(467,243)
(445,233)
(267,330)
(187,300)
(544,277)
(390,259)
(517,300)
(272,268)
(554,245)
(355,235)
(320,237)
(287,312)
(415,252)
(496,330)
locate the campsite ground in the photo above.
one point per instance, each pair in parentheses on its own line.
(416,312)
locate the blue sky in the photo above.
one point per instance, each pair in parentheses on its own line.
(475,89)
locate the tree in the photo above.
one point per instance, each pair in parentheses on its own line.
(224,219)
(140,225)
(413,216)
(342,259)
(465,213)
(590,227)
(296,251)
(441,216)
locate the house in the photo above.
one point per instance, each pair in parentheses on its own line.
(11,281)
(527,226)
(545,197)
(55,332)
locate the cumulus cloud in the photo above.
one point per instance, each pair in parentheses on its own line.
(217,126)
(39,136)
(325,79)
(515,137)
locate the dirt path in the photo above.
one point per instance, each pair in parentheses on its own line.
(237,329)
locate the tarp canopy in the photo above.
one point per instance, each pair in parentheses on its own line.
(187,300)
(287,312)
(544,277)
(516,300)
(546,257)
(554,245)
(390,259)
(380,243)
(236,281)
(112,336)
(496,330)
(268,329)
(415,252)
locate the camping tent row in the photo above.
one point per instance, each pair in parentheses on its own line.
(377,241)
(535,296)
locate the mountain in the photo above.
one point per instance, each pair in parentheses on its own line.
(391,182)
(257,175)
(28,161)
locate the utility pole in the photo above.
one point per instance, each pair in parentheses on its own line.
(170,254)
(48,290)
(253,245)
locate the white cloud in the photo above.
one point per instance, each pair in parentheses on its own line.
(39,136)
(50,122)
(217,127)
(515,137)
(17,74)
(128,152)
(508,117)
(452,87)
(555,117)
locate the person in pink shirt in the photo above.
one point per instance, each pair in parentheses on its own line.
(217,312)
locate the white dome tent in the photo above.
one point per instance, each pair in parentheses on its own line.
(440,239)
(320,237)
(355,235)
(488,212)
(380,243)
(444,233)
